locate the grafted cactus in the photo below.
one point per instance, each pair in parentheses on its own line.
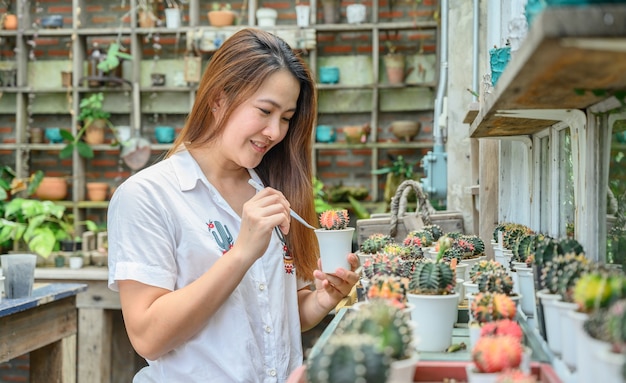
(497,353)
(435,230)
(389,287)
(502,327)
(483,266)
(495,281)
(382,263)
(477,243)
(374,243)
(422,238)
(348,359)
(488,307)
(560,274)
(453,252)
(599,288)
(390,325)
(334,219)
(432,278)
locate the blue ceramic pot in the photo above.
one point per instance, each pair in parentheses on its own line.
(325,133)
(329,75)
(54,135)
(164,134)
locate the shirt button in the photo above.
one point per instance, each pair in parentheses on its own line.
(268,329)
(272,372)
(261,287)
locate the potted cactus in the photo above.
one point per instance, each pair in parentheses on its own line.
(390,287)
(435,311)
(489,307)
(334,239)
(372,245)
(493,355)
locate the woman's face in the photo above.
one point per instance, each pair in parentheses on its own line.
(262,121)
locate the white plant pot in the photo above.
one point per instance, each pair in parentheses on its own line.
(76,262)
(527,290)
(434,317)
(460,289)
(461,271)
(355,13)
(303,15)
(403,371)
(473,376)
(551,319)
(568,341)
(266,17)
(608,366)
(335,245)
(172,18)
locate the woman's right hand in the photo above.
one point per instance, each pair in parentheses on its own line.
(261,214)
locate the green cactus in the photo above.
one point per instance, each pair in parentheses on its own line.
(432,278)
(382,263)
(422,238)
(546,250)
(477,242)
(435,231)
(596,325)
(385,322)
(348,359)
(483,266)
(453,252)
(489,307)
(374,243)
(616,325)
(526,247)
(599,288)
(495,281)
(561,273)
(570,245)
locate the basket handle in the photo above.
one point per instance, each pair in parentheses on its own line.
(399,202)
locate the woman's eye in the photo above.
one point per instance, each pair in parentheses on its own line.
(264,111)
(286,119)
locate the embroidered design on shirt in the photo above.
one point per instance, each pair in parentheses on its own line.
(222,235)
(287,258)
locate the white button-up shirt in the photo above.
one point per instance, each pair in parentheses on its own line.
(167,225)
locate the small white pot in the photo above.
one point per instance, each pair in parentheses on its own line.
(403,371)
(355,13)
(266,17)
(76,262)
(335,245)
(172,18)
(303,14)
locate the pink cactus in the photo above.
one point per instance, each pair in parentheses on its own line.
(334,219)
(497,353)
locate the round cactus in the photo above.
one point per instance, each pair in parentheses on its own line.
(616,323)
(497,353)
(390,325)
(390,287)
(526,247)
(334,219)
(560,274)
(495,281)
(477,243)
(434,278)
(435,231)
(422,238)
(488,307)
(502,327)
(374,243)
(482,266)
(349,359)
(598,289)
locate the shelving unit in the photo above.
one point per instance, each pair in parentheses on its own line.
(38,99)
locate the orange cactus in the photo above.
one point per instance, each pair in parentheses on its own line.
(502,327)
(497,353)
(334,219)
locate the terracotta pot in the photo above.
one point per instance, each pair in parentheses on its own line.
(97,191)
(146,19)
(221,18)
(405,130)
(52,188)
(94,135)
(394,65)
(10,22)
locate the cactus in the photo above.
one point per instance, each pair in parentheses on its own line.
(616,325)
(349,359)
(453,252)
(432,278)
(390,287)
(497,353)
(334,219)
(560,274)
(374,243)
(526,246)
(385,322)
(516,376)
(477,243)
(420,237)
(482,266)
(512,234)
(488,307)
(599,288)
(382,263)
(495,281)
(596,325)
(502,327)
(435,231)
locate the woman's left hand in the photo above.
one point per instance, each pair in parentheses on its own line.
(331,288)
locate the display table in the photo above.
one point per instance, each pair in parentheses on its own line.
(44,325)
(104,353)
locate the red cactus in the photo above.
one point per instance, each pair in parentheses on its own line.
(502,327)
(497,353)
(334,219)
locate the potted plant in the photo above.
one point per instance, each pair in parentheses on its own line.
(400,170)
(110,64)
(146,13)
(221,15)
(334,239)
(94,121)
(493,355)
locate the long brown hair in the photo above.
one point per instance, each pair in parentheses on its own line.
(235,72)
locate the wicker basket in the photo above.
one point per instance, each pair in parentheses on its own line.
(398,223)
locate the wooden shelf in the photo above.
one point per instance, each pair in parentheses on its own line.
(572,58)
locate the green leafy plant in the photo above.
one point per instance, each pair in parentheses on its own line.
(91,110)
(113,59)
(399,167)
(220,6)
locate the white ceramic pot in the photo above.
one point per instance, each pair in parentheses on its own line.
(568,341)
(303,15)
(172,18)
(266,17)
(403,371)
(355,13)
(473,376)
(551,319)
(526,288)
(76,262)
(335,245)
(434,317)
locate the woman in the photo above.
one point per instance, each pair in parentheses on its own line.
(214,279)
